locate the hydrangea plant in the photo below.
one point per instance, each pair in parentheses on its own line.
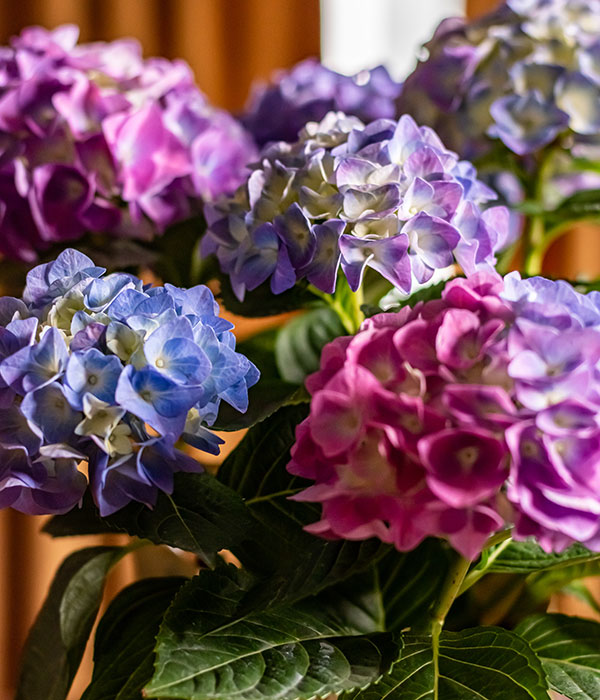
(442,456)
(96,139)
(518,92)
(278,111)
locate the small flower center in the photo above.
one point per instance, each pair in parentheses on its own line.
(92,379)
(160,363)
(412,424)
(561,447)
(529,448)
(467,456)
(146,395)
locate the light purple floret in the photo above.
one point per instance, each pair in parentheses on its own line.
(93,138)
(387,195)
(461,417)
(101,369)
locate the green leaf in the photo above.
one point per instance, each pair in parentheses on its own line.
(411,582)
(484,663)
(212,645)
(177,251)
(269,394)
(569,648)
(581,591)
(200,516)
(541,585)
(260,349)
(58,637)
(585,164)
(126,637)
(264,399)
(429,293)
(581,205)
(84,519)
(299,343)
(525,557)
(302,563)
(262,302)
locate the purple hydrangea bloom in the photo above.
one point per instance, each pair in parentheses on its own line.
(103,369)
(460,417)
(306,93)
(527,74)
(95,138)
(388,196)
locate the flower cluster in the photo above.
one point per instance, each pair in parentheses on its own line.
(104,370)
(460,416)
(94,138)
(526,74)
(307,92)
(388,196)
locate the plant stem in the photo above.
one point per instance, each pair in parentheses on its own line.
(355,313)
(535,246)
(346,303)
(478,573)
(456,575)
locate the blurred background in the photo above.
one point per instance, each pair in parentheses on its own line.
(229,44)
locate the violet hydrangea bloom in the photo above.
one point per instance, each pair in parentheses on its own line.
(306,93)
(527,74)
(105,370)
(388,196)
(460,417)
(95,138)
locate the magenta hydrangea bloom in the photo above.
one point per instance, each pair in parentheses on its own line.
(95,138)
(460,417)
(527,74)
(308,91)
(388,196)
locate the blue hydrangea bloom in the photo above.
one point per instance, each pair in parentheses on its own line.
(108,371)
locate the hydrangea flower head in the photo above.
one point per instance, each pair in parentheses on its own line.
(460,417)
(101,369)
(95,138)
(388,196)
(307,92)
(526,74)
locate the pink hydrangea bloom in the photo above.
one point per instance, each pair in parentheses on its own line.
(93,138)
(460,417)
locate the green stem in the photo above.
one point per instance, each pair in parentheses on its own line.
(347,305)
(479,572)
(456,575)
(535,245)
(354,312)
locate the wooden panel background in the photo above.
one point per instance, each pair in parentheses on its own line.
(228,44)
